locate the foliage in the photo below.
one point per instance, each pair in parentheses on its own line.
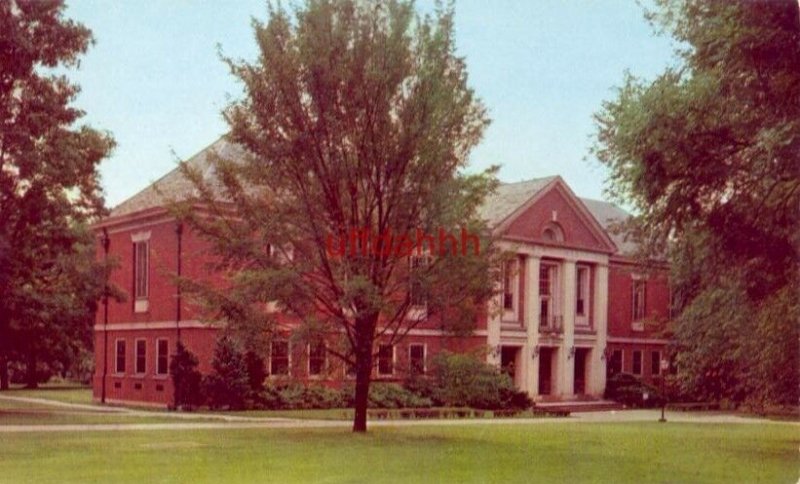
(256,371)
(49,190)
(186,379)
(296,396)
(464,380)
(228,385)
(630,390)
(708,155)
(389,395)
(357,119)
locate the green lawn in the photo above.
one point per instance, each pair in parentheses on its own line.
(547,452)
(69,393)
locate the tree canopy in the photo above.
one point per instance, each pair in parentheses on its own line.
(357,119)
(49,186)
(709,154)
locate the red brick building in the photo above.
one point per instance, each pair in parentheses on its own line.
(573,304)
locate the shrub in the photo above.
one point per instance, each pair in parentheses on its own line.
(186,379)
(630,390)
(256,372)
(229,383)
(463,380)
(295,396)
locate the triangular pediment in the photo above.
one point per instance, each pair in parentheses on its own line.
(555,216)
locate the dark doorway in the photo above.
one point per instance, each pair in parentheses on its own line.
(581,357)
(508,361)
(545,371)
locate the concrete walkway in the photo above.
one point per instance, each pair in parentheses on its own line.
(242,422)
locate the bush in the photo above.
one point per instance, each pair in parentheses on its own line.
(186,378)
(463,380)
(390,395)
(630,390)
(295,397)
(229,383)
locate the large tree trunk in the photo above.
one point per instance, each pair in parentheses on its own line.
(31,378)
(365,335)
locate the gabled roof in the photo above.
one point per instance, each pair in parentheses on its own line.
(499,207)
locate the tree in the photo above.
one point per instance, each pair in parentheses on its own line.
(186,379)
(709,154)
(229,383)
(356,126)
(49,185)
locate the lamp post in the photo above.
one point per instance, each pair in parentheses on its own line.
(664,365)
(106,241)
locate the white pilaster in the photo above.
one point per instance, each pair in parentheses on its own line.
(493,329)
(566,366)
(597,371)
(532,324)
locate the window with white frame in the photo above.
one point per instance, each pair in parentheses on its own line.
(582,291)
(655,363)
(548,274)
(417,294)
(317,358)
(162,356)
(120,353)
(639,299)
(615,365)
(386,360)
(637,362)
(141,263)
(141,356)
(279,358)
(510,288)
(416,359)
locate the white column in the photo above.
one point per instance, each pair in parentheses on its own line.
(597,371)
(493,329)
(531,324)
(566,363)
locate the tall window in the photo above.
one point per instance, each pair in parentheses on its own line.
(582,295)
(141,356)
(637,362)
(279,358)
(162,356)
(385,360)
(547,276)
(141,255)
(120,360)
(509,285)
(655,363)
(417,294)
(615,364)
(416,359)
(639,298)
(317,355)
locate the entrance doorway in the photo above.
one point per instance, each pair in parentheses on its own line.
(581,369)
(509,363)
(546,370)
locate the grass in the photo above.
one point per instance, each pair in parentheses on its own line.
(67,393)
(546,452)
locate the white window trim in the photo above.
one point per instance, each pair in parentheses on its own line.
(417,312)
(136,371)
(424,356)
(512,315)
(621,360)
(394,362)
(555,289)
(158,354)
(641,362)
(583,319)
(657,369)
(288,360)
(125,353)
(636,322)
(141,304)
(324,371)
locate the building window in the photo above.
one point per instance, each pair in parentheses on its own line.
(317,358)
(582,294)
(615,365)
(416,292)
(386,360)
(279,358)
(639,297)
(141,356)
(547,293)
(655,363)
(509,268)
(162,356)
(637,362)
(416,359)
(120,361)
(141,255)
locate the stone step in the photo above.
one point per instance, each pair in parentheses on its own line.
(580,406)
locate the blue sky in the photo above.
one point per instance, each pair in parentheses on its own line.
(154,79)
